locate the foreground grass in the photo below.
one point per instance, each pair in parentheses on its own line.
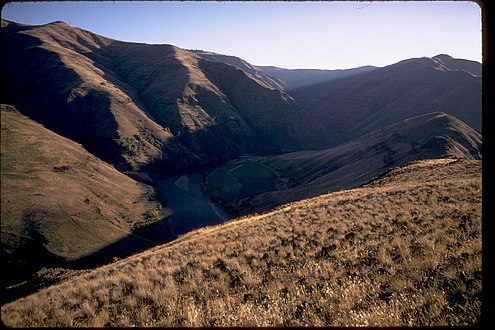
(403,250)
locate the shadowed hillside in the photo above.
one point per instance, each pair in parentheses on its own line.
(259,184)
(51,75)
(404,250)
(280,78)
(362,103)
(138,104)
(254,72)
(59,202)
(291,79)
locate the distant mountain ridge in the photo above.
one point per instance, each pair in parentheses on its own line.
(140,105)
(281,78)
(255,72)
(362,103)
(451,64)
(297,78)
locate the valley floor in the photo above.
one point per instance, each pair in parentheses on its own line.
(403,250)
(190,207)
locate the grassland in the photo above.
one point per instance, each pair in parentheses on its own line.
(59,203)
(403,250)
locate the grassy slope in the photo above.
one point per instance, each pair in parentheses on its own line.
(306,174)
(79,100)
(403,250)
(61,197)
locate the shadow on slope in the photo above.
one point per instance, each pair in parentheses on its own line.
(39,84)
(59,203)
(23,270)
(372,100)
(139,240)
(307,174)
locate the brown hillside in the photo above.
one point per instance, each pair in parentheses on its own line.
(307,174)
(138,104)
(49,74)
(369,101)
(60,203)
(404,250)
(254,72)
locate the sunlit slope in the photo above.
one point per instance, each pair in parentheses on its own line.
(56,74)
(137,104)
(261,184)
(59,202)
(403,250)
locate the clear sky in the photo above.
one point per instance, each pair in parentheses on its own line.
(324,35)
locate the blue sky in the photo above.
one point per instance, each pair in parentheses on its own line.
(324,35)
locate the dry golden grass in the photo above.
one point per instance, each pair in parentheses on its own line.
(403,250)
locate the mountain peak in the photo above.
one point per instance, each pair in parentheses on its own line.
(57,23)
(457,64)
(443,57)
(7,23)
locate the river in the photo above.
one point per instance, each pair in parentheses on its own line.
(190,207)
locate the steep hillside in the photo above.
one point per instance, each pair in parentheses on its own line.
(360,104)
(280,78)
(259,184)
(138,104)
(256,73)
(291,79)
(404,250)
(48,73)
(216,110)
(60,203)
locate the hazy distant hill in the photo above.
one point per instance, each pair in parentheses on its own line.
(296,78)
(59,202)
(451,63)
(362,103)
(280,78)
(139,103)
(307,174)
(405,250)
